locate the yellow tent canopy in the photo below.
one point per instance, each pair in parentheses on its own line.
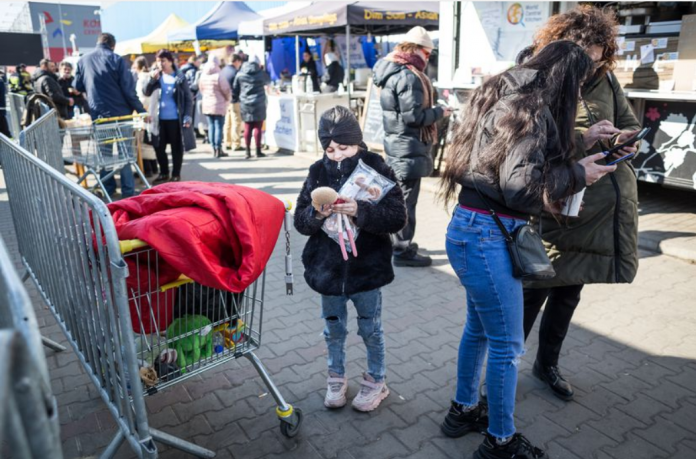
(154,41)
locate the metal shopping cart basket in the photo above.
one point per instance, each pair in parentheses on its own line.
(108,144)
(183,328)
(70,249)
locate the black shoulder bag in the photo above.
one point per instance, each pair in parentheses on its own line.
(527,251)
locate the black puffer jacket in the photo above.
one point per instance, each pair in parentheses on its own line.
(250,89)
(325,270)
(46,83)
(334,75)
(516,191)
(402,100)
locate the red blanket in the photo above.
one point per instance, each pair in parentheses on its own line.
(217,234)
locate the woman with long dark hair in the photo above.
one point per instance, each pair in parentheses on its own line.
(512,155)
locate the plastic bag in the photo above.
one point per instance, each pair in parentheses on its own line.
(364,184)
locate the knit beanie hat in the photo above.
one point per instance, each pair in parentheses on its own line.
(419,36)
(340,125)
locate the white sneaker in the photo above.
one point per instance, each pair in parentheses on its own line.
(336,392)
(371,394)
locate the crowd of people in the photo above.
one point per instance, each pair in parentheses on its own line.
(528,139)
(229,95)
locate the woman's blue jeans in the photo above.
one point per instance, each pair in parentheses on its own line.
(494,321)
(215,123)
(368,305)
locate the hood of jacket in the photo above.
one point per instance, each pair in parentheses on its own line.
(250,68)
(517,79)
(39,73)
(384,70)
(211,69)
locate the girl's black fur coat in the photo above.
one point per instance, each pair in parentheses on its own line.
(325,270)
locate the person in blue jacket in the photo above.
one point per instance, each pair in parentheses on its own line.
(110,88)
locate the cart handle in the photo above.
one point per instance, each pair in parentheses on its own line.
(119,118)
(130,245)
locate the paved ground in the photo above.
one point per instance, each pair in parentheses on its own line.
(631,354)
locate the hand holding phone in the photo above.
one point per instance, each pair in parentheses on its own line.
(628,143)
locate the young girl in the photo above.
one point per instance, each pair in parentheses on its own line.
(360,278)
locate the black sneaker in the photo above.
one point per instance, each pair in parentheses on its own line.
(518,447)
(161,179)
(458,422)
(552,376)
(411,258)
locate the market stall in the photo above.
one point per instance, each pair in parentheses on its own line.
(221,23)
(153,41)
(339,20)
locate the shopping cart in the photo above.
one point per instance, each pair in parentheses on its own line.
(108,144)
(70,249)
(183,328)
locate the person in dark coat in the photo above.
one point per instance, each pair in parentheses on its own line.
(65,80)
(170,108)
(600,245)
(334,74)
(106,79)
(410,131)
(512,156)
(4,125)
(360,278)
(233,120)
(309,66)
(250,89)
(46,83)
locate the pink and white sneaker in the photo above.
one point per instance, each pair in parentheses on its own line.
(336,392)
(371,394)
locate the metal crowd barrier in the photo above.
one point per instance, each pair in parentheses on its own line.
(70,248)
(43,139)
(28,413)
(16,108)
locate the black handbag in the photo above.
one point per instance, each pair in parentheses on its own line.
(527,251)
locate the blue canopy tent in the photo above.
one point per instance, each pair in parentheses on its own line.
(221,23)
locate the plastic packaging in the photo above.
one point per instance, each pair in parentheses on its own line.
(364,184)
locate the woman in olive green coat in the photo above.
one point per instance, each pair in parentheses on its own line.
(601,244)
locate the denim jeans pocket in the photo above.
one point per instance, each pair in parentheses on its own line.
(492,235)
(456,253)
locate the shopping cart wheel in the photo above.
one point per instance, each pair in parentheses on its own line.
(290,426)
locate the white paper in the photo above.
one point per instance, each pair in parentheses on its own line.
(659,43)
(620,43)
(647,54)
(629,46)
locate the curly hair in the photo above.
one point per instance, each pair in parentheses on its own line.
(587,26)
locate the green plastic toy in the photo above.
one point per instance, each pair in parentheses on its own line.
(191,348)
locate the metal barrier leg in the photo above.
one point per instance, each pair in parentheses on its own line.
(49,343)
(141,175)
(111,450)
(180,444)
(290,417)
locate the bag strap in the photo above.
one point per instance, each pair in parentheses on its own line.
(497,220)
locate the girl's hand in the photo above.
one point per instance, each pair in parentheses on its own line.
(349,207)
(325,210)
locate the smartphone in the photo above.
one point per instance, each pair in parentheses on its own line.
(640,136)
(622,159)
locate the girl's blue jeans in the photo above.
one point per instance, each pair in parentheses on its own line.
(368,305)
(494,322)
